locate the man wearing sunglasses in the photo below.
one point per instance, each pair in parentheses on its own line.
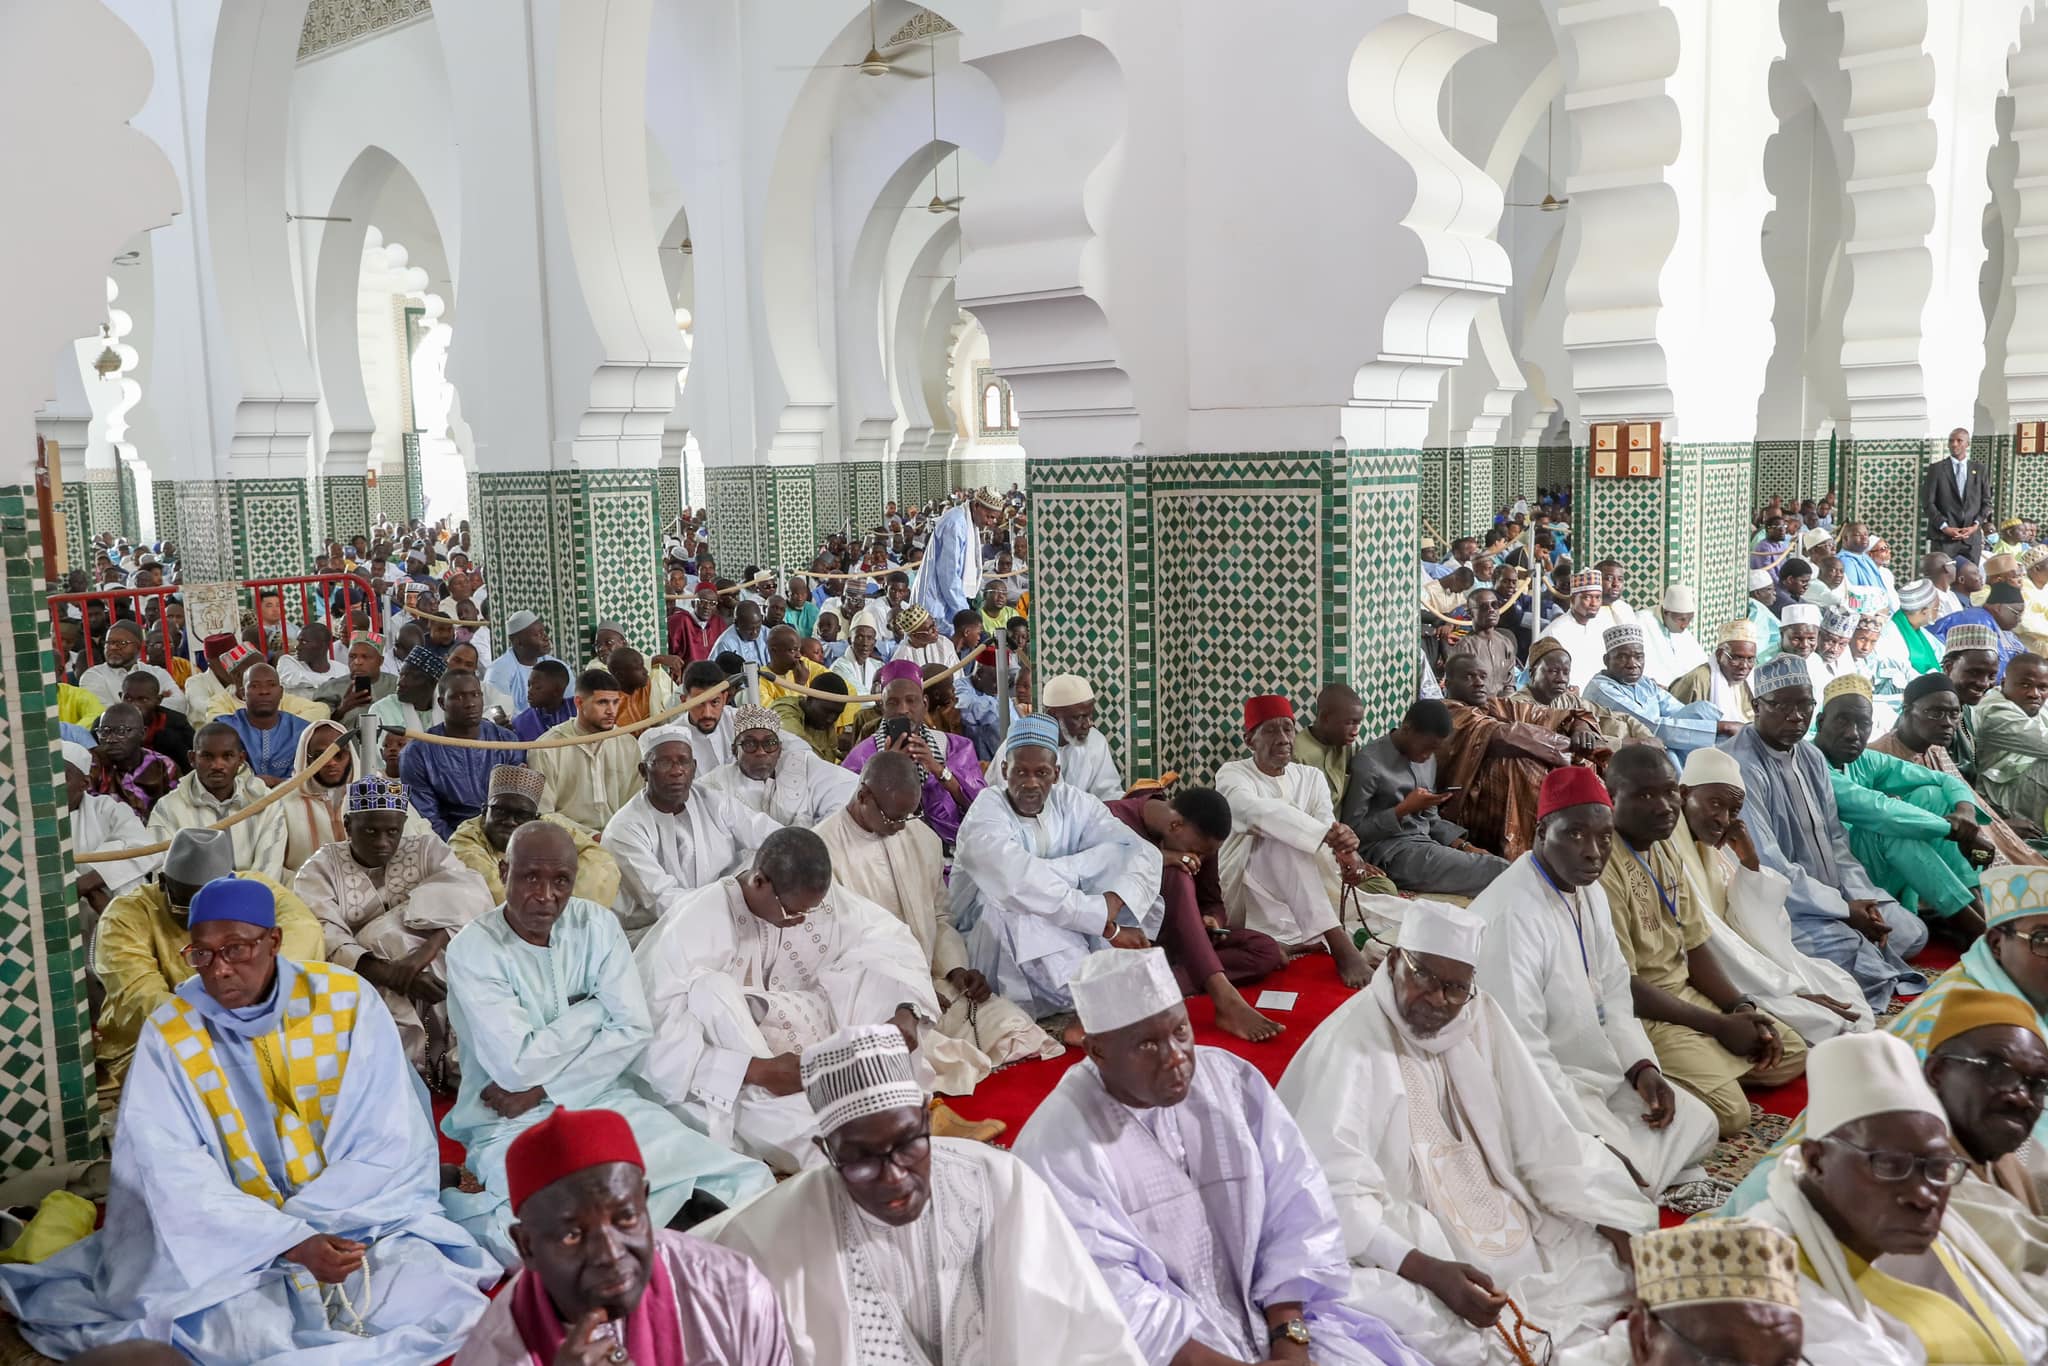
(1887,1276)
(906,1247)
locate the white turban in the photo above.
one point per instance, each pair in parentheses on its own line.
(1444,930)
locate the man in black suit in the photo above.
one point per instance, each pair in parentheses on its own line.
(1956,500)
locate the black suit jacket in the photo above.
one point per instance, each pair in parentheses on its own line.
(1944,506)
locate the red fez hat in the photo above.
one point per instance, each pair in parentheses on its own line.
(985,655)
(1571,786)
(1259,710)
(218,645)
(567,1142)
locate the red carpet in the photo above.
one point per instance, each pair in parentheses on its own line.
(1013,1093)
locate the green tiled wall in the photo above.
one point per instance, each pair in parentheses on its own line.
(578,547)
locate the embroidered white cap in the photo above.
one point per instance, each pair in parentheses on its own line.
(1118,987)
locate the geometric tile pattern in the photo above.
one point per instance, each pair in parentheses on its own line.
(1377,653)
(866,494)
(1880,486)
(206,532)
(47,1109)
(164,494)
(1432,496)
(77,513)
(1091,591)
(390,502)
(671,487)
(1277,571)
(345,501)
(475,520)
(832,497)
(615,550)
(1705,545)
(1249,531)
(994,475)
(103,502)
(1622,518)
(1792,470)
(515,512)
(415,488)
(734,508)
(131,510)
(794,527)
(272,527)
(2022,488)
(1555,463)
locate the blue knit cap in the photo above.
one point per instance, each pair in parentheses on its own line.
(1032,730)
(234,898)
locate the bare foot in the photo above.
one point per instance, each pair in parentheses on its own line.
(1072,1035)
(1354,969)
(1234,1015)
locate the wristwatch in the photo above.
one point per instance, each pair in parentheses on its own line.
(945,775)
(1294,1331)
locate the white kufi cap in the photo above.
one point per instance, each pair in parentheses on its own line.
(1800,614)
(654,737)
(1855,1076)
(1117,987)
(1710,767)
(1444,930)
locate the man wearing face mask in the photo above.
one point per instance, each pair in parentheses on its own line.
(388,902)
(1161,1152)
(902,1246)
(599,1281)
(1459,1180)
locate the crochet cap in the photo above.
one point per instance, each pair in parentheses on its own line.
(1715,1261)
(1118,987)
(517,780)
(2014,893)
(859,1072)
(1969,636)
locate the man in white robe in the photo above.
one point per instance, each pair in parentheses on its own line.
(1458,1180)
(124,656)
(388,902)
(1045,875)
(673,836)
(708,725)
(881,850)
(1553,964)
(788,783)
(1580,628)
(1288,855)
(912,1249)
(588,783)
(1744,904)
(219,785)
(1670,649)
(746,974)
(1709,1290)
(1887,1278)
(242,1228)
(544,998)
(102,824)
(1191,1186)
(1085,760)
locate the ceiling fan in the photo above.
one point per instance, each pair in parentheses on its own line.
(938,203)
(1550,203)
(874,64)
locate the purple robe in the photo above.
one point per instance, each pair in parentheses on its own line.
(940,811)
(1234,1163)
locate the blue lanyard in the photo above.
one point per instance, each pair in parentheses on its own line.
(1578,930)
(1670,902)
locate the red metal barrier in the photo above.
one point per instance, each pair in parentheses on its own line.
(356,594)
(144,613)
(355,589)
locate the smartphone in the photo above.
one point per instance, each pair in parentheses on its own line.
(1448,791)
(894,729)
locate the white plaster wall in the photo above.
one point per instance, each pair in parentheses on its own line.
(1715,321)
(1969,43)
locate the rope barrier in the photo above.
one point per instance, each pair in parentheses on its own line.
(276,794)
(801,691)
(568,741)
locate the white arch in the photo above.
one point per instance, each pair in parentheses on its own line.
(2026,346)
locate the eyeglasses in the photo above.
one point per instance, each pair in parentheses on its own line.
(235,951)
(1887,1165)
(767,745)
(2001,1075)
(902,1157)
(2037,942)
(1454,993)
(1704,1357)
